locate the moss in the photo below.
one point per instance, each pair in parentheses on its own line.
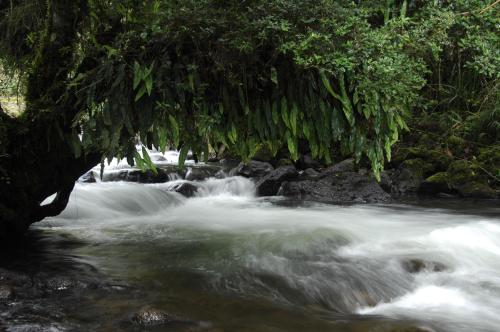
(284,162)
(418,167)
(263,153)
(439,159)
(456,145)
(475,189)
(490,159)
(461,172)
(438,178)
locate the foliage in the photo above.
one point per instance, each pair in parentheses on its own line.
(344,76)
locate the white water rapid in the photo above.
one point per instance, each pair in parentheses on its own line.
(437,267)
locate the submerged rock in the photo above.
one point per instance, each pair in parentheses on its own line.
(6,293)
(152,317)
(252,169)
(186,189)
(419,265)
(270,184)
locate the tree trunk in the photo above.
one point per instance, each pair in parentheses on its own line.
(36,158)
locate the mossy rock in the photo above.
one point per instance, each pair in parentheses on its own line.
(490,159)
(418,166)
(475,189)
(437,158)
(462,171)
(469,181)
(456,145)
(434,184)
(284,162)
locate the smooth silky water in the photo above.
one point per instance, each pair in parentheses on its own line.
(243,263)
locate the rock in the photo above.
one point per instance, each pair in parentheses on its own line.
(469,181)
(153,317)
(386,180)
(418,265)
(435,184)
(220,175)
(476,189)
(185,188)
(146,177)
(87,177)
(270,184)
(252,169)
(409,176)
(200,173)
(336,185)
(6,293)
(309,174)
(347,165)
(306,161)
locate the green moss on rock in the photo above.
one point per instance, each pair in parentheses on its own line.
(476,189)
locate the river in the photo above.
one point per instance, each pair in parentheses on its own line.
(235,262)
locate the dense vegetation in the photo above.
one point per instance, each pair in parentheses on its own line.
(347,77)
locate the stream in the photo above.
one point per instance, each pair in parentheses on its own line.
(230,261)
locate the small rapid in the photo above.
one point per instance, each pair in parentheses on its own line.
(438,268)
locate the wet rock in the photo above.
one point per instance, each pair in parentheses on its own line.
(309,174)
(6,293)
(306,161)
(409,176)
(252,169)
(220,175)
(410,329)
(200,173)
(338,184)
(419,265)
(147,177)
(88,177)
(386,180)
(186,189)
(347,165)
(270,184)
(150,317)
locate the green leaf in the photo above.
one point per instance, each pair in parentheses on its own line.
(175,130)
(149,85)
(293,119)
(137,74)
(327,85)
(183,155)
(140,93)
(147,160)
(274,75)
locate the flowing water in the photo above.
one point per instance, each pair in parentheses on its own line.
(243,263)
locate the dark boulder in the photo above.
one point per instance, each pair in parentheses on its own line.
(270,184)
(409,176)
(419,265)
(252,169)
(309,174)
(185,188)
(200,173)
(87,177)
(338,184)
(146,177)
